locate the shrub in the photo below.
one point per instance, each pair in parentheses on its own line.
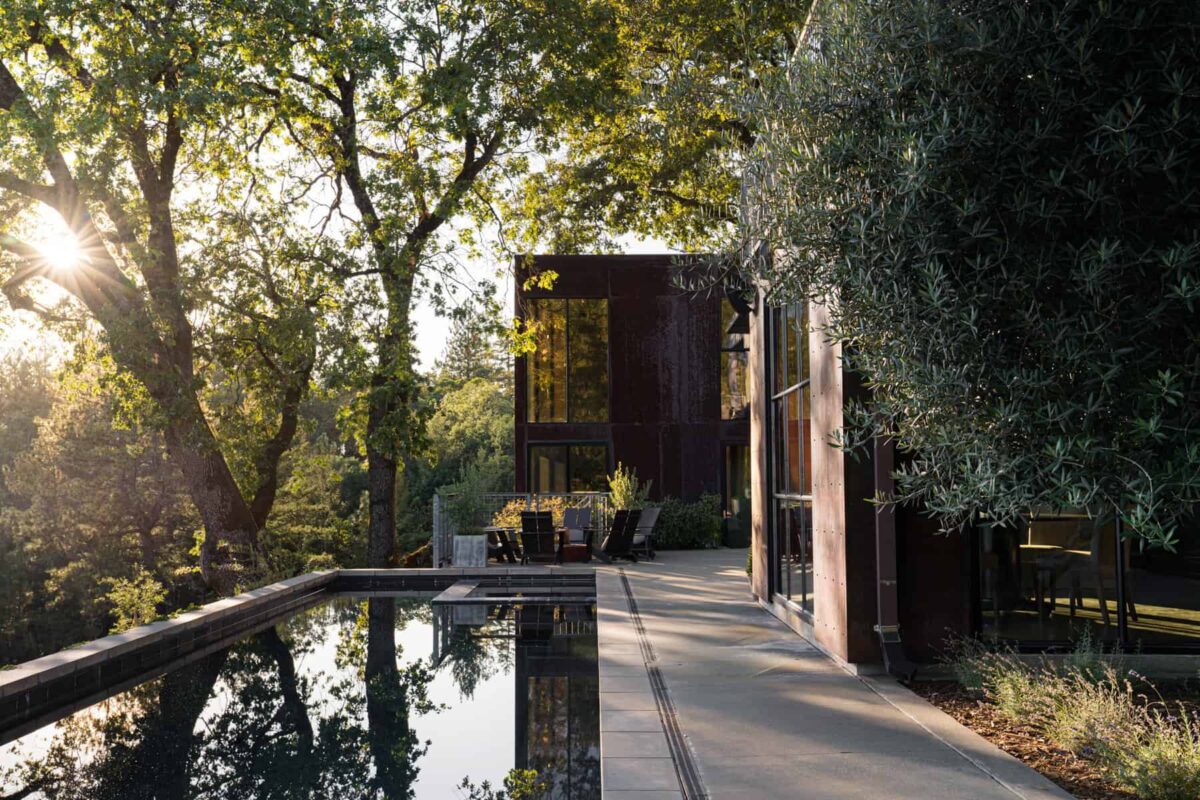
(689,526)
(1093,708)
(627,491)
(1158,759)
(1002,198)
(510,515)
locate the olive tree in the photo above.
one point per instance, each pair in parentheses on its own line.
(998,202)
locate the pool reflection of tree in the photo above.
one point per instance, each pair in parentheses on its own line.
(244,724)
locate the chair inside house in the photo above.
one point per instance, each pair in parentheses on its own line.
(643,536)
(539,540)
(1095,569)
(578,544)
(619,542)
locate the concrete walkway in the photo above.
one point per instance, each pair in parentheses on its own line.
(761,713)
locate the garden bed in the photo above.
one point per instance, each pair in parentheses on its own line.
(1079,776)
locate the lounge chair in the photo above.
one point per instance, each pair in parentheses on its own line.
(578,544)
(643,537)
(539,540)
(619,542)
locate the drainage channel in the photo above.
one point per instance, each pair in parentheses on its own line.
(690,783)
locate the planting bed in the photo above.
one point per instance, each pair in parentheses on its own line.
(1077,775)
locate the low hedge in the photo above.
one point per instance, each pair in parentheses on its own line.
(689,526)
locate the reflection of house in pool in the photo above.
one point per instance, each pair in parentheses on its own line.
(556,687)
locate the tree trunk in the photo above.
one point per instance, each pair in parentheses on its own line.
(224,512)
(393,744)
(381,491)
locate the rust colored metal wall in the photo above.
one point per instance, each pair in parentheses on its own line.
(759,476)
(664,371)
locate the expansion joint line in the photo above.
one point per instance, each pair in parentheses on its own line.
(690,783)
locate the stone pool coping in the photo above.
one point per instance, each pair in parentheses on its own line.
(639,758)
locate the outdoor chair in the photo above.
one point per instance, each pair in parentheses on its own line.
(539,540)
(578,543)
(643,536)
(619,542)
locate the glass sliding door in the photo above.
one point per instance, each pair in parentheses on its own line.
(789,436)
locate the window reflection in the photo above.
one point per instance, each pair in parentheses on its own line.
(735,397)
(561,468)
(567,376)
(1053,578)
(790,455)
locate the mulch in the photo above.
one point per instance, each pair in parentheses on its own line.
(1076,775)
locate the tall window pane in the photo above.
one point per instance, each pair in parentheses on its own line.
(561,468)
(547,373)
(548,468)
(588,360)
(735,397)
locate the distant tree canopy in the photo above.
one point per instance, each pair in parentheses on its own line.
(999,201)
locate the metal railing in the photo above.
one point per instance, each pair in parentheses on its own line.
(444,526)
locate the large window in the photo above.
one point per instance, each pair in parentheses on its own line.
(1051,579)
(560,468)
(735,399)
(791,464)
(568,372)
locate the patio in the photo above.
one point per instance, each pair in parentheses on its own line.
(705,694)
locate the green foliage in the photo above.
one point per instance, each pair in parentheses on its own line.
(627,491)
(656,156)
(519,784)
(1158,759)
(510,515)
(1000,198)
(135,600)
(689,526)
(1085,705)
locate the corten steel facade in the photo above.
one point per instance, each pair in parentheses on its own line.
(818,545)
(660,410)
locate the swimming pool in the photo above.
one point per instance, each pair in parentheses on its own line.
(356,697)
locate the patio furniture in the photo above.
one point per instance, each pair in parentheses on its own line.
(539,540)
(643,536)
(577,523)
(501,544)
(1095,568)
(619,542)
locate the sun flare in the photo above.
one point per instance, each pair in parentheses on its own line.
(62,252)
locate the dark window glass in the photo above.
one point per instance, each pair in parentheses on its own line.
(589,468)
(1048,580)
(568,372)
(587,358)
(559,468)
(548,468)
(547,373)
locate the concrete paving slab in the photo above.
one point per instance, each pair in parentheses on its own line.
(764,714)
(641,774)
(632,744)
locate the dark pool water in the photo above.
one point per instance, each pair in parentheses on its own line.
(356,698)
